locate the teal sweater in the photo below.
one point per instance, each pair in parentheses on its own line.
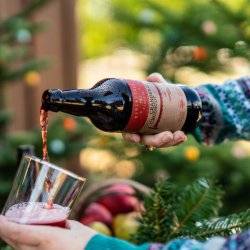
(225,111)
(108,243)
(226,115)
(236,242)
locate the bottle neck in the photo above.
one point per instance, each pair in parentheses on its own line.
(75,102)
(107,104)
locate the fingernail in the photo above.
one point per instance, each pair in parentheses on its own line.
(166,138)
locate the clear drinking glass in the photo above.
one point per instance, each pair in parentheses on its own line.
(42,193)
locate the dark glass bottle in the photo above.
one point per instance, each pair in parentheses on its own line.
(117,105)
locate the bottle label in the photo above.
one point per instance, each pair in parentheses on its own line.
(156,107)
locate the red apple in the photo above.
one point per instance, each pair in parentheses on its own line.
(96,212)
(119,203)
(120,188)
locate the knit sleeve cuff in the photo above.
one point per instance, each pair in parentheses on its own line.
(108,243)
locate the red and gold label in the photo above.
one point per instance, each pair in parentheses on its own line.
(156,107)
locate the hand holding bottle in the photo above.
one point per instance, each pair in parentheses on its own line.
(160,140)
(132,106)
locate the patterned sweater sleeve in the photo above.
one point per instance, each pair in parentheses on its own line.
(226,111)
(239,241)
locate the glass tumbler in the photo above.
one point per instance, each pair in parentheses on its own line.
(42,193)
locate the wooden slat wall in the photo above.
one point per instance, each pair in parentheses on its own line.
(58,43)
(14,95)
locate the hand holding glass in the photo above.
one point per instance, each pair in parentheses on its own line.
(42,193)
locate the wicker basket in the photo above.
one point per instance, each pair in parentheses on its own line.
(97,190)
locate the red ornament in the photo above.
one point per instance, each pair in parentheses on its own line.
(69,124)
(200,54)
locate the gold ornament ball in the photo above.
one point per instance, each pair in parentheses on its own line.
(32,78)
(192,153)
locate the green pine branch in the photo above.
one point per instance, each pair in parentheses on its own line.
(15,74)
(197,201)
(125,16)
(10,54)
(224,226)
(170,17)
(236,18)
(173,211)
(155,225)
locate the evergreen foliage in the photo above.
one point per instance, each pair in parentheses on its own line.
(173,211)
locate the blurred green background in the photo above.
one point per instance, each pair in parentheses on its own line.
(191,42)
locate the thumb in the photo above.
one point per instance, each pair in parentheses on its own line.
(84,232)
(24,234)
(77,226)
(74,225)
(156,77)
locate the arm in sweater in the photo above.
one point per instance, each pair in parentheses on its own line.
(240,241)
(226,111)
